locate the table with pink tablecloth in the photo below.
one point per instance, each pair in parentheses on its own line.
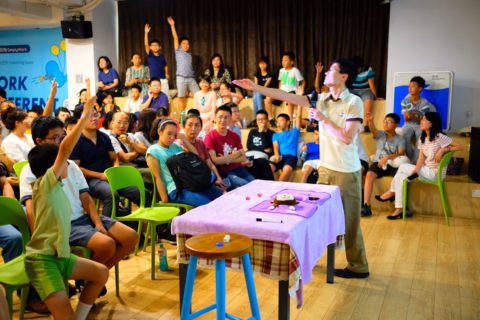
(306,233)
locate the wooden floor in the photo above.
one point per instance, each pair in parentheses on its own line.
(419,269)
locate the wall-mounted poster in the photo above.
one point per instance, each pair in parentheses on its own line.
(29,60)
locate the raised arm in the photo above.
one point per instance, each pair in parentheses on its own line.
(67,145)
(275,94)
(145,39)
(298,120)
(171,22)
(371,124)
(51,99)
(318,76)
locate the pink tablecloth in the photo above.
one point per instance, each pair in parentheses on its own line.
(307,237)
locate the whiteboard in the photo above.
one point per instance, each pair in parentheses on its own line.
(438,90)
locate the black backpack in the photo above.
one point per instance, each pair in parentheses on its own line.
(190,172)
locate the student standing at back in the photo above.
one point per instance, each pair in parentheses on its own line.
(290,79)
(185,75)
(156,60)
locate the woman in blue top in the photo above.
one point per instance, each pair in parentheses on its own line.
(157,156)
(108,78)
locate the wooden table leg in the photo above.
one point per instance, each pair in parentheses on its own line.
(283,300)
(330,262)
(183,267)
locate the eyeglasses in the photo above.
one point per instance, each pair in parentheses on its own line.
(56,139)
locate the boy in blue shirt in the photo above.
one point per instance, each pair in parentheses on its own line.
(285,145)
(311,156)
(156,60)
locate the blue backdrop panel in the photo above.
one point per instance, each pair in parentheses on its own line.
(29,60)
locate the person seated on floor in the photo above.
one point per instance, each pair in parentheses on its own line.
(311,156)
(260,147)
(389,155)
(414,108)
(157,156)
(108,239)
(192,129)
(433,144)
(285,143)
(94,154)
(48,251)
(226,150)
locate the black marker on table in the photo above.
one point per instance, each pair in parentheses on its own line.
(269,220)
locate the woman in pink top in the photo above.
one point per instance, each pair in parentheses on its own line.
(204,101)
(433,144)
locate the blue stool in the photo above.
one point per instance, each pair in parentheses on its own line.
(211,246)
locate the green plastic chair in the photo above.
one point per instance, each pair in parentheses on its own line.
(437,182)
(87,254)
(182,206)
(18,167)
(12,273)
(126,176)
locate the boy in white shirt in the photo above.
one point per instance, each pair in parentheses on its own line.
(134,103)
(290,79)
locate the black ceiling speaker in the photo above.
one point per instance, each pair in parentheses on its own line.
(76,29)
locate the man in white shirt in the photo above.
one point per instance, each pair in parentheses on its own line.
(340,115)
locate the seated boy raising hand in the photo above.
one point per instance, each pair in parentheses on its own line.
(48,260)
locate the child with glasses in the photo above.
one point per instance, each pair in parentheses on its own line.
(390,154)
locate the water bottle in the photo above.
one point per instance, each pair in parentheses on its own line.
(182,118)
(244,122)
(162,258)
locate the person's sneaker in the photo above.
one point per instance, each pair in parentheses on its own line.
(348,274)
(38,307)
(366,210)
(273,123)
(168,238)
(103,292)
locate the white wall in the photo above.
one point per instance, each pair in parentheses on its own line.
(439,35)
(105,31)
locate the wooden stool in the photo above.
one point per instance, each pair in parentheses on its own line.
(211,246)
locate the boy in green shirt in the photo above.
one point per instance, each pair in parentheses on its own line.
(48,260)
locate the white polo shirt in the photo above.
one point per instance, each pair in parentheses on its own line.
(337,155)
